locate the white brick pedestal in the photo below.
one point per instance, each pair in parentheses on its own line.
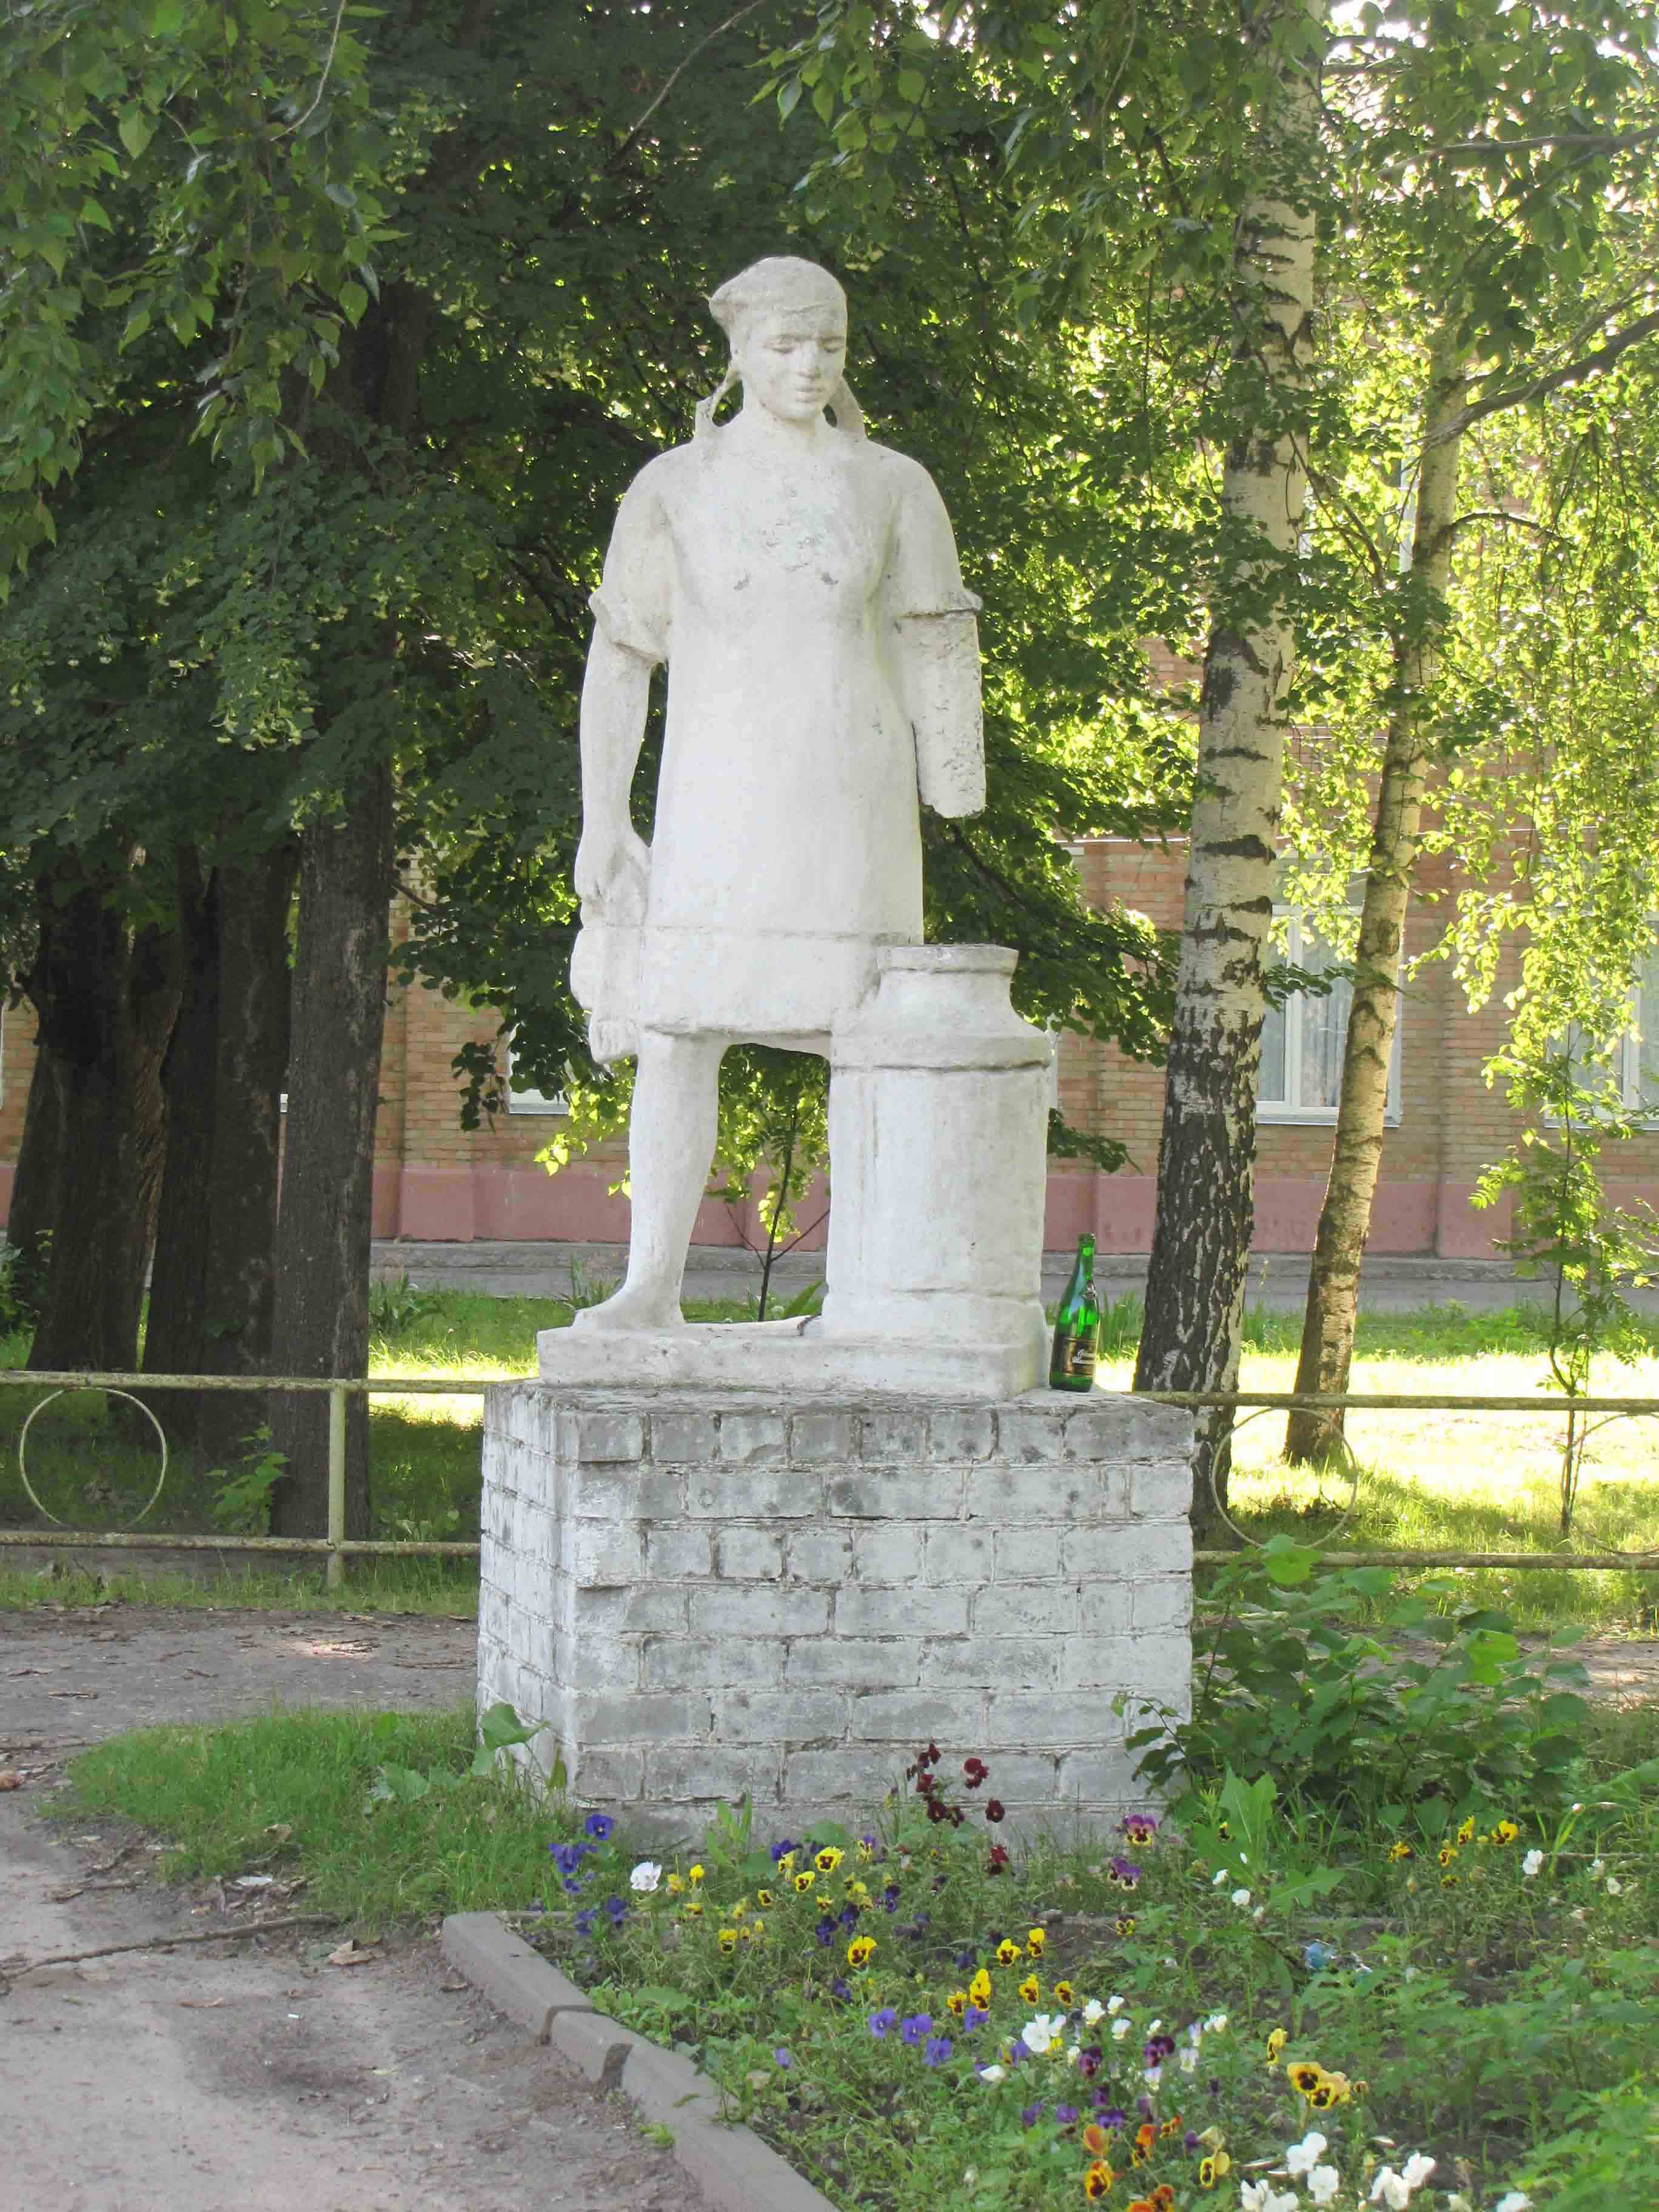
(706,1593)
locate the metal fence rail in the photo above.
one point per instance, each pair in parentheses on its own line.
(339,1547)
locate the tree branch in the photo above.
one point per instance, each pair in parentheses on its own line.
(1590,364)
(674,76)
(1599,141)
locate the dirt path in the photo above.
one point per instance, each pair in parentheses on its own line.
(253,2076)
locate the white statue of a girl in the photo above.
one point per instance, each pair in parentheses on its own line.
(802,585)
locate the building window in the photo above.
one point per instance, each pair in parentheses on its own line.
(1629,1070)
(522,1099)
(1302,1041)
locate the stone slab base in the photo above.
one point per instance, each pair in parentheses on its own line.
(787,1360)
(708,1594)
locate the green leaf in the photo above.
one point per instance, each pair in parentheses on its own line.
(136,130)
(911,85)
(354,299)
(789,98)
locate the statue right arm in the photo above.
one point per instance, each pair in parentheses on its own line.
(612,861)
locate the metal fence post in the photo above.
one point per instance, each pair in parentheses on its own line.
(337,1486)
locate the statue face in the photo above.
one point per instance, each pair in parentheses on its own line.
(792,361)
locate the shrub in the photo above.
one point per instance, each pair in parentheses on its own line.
(1366,1722)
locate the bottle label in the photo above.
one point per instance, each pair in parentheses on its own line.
(1075,1354)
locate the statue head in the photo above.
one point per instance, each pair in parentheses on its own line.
(786,320)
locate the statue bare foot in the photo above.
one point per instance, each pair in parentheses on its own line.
(636,1306)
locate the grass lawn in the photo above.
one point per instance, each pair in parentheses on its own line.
(1428,1481)
(1470,1978)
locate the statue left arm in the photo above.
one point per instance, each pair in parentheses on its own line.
(937,651)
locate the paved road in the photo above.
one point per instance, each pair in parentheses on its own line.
(254,2077)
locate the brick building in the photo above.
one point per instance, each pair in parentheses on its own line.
(435,1182)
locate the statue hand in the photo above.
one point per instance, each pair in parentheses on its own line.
(613,867)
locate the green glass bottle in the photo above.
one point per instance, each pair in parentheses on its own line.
(1077,1327)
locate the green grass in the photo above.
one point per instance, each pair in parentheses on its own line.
(219,1797)
(1427,1482)
(1478,2018)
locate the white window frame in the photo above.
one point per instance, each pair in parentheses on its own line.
(1625,1063)
(1282,1111)
(533,1101)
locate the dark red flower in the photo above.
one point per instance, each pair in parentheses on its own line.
(999,1858)
(932,1754)
(993,1808)
(976,1770)
(936,1811)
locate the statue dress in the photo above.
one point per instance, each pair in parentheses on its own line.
(823,673)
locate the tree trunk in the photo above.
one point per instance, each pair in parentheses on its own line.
(175,1335)
(1200,1258)
(38,1179)
(323,1224)
(241,1191)
(1345,1220)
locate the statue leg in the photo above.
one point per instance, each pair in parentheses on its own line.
(671,1144)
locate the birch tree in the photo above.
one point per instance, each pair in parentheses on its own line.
(1200,1244)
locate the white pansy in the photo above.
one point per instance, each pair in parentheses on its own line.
(1579,1914)
(1598,1867)
(645,1876)
(1187,2059)
(1216,2023)
(1042,2032)
(1074,2052)
(1530,1864)
(1240,1898)
(1323,2182)
(993,2075)
(1262,2197)
(1615,1887)
(1390,2189)
(1516,2201)
(1417,2169)
(1115,2005)
(1260,1912)
(1217,1877)
(1095,2010)
(1153,2026)
(1302,2157)
(1120,2029)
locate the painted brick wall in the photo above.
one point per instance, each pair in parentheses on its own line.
(706,1595)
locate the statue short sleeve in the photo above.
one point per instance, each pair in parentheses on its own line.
(634,600)
(936,647)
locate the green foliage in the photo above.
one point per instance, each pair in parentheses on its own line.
(396,1306)
(1379,1724)
(1563,1226)
(242,1505)
(22,1278)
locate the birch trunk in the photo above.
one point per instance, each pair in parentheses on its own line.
(1200,1244)
(1345,1220)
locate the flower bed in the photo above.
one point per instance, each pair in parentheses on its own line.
(920,2014)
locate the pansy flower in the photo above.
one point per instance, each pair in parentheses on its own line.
(1007,1951)
(974,2018)
(917,2028)
(1031,1989)
(1036,1941)
(1276,2043)
(957,2003)
(1400,1849)
(937,2050)
(1504,1832)
(1466,1830)
(881,2021)
(784,1848)
(1063,1993)
(1124,1924)
(979,1989)
(860,1950)
(828,1859)
(1097,2181)
(1095,2139)
(599,1825)
(728,1939)
(804,1880)
(1140,1827)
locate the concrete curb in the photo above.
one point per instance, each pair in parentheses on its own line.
(735,2170)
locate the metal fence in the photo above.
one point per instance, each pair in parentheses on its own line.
(338,1548)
